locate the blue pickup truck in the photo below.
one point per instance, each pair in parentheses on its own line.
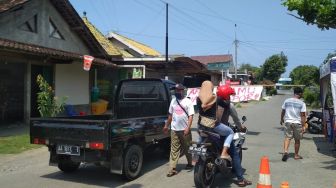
(116,141)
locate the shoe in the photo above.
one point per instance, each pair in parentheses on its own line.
(243,183)
(189,167)
(284,157)
(226,157)
(298,157)
(172,173)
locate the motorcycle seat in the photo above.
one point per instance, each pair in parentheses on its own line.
(204,133)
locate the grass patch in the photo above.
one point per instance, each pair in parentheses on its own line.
(16,144)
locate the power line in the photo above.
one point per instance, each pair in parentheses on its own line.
(174,38)
(219,16)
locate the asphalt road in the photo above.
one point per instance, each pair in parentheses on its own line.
(265,138)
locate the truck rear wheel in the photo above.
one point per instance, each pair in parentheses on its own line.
(67,165)
(133,160)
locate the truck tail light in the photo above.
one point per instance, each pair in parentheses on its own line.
(41,141)
(95,145)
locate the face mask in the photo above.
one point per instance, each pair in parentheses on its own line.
(179,96)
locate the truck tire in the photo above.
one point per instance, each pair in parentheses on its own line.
(66,165)
(133,160)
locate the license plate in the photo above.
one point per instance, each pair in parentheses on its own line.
(68,150)
(197,150)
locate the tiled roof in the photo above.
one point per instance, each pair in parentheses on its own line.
(212,58)
(148,51)
(8,4)
(105,43)
(40,50)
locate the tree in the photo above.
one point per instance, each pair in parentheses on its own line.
(330,55)
(318,12)
(273,67)
(248,67)
(252,71)
(305,75)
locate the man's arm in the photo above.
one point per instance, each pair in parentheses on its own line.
(169,120)
(189,123)
(234,116)
(282,116)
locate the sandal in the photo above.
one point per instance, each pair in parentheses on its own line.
(226,157)
(244,182)
(189,167)
(298,157)
(284,157)
(172,173)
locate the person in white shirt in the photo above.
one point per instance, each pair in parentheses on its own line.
(181,111)
(293,114)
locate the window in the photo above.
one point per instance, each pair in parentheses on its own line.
(30,25)
(144,92)
(53,31)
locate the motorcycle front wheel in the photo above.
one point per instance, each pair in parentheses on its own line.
(204,173)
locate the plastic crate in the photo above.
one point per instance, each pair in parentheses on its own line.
(99,107)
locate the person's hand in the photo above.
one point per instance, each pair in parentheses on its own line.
(165,129)
(243,129)
(186,131)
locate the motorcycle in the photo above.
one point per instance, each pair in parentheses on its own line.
(314,121)
(207,153)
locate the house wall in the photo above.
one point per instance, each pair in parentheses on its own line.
(72,81)
(10,22)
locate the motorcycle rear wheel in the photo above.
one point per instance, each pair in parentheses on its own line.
(313,123)
(204,173)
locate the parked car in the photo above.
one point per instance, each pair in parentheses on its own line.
(116,141)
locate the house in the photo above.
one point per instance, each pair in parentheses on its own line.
(138,60)
(218,65)
(44,37)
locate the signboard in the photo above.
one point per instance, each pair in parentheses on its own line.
(247,93)
(218,66)
(243,93)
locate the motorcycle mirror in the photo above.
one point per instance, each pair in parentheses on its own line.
(244,118)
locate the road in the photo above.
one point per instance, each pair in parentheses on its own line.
(265,138)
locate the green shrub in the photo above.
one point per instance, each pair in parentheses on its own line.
(48,104)
(271,91)
(311,96)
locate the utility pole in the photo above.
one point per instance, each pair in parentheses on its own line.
(236,46)
(166,32)
(166,40)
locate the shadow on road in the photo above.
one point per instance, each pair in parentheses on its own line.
(324,147)
(100,176)
(227,180)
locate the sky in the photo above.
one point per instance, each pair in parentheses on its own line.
(207,27)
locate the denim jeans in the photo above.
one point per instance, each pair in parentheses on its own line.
(226,131)
(236,163)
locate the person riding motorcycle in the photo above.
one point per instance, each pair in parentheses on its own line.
(223,96)
(207,104)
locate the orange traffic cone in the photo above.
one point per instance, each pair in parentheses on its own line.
(264,174)
(284,184)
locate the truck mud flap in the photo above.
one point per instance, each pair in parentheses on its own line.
(116,161)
